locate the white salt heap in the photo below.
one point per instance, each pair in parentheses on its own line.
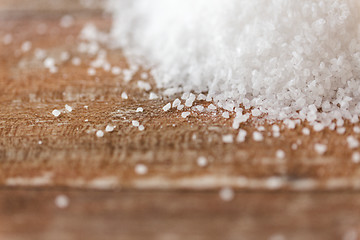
(287,59)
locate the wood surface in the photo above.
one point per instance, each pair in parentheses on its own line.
(176,198)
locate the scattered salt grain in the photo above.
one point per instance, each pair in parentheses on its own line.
(153,96)
(226,194)
(167,107)
(225,115)
(212,107)
(62,201)
(110,128)
(256,112)
(139,109)
(241,136)
(320,148)
(26,46)
(64,56)
(124,95)
(352,142)
(185,114)
(141,169)
(176,103)
(68,108)
(40,142)
(66,21)
(229,138)
(341,130)
(280,154)
(201,97)
(144,75)
(86,107)
(202,161)
(180,107)
(56,112)
(7,39)
(144,85)
(257,136)
(135,123)
(99,134)
(141,128)
(318,127)
(76,61)
(355,158)
(306,131)
(356,129)
(91,71)
(115,70)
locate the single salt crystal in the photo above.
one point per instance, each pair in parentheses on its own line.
(139,109)
(355,157)
(290,123)
(201,97)
(273,183)
(176,103)
(199,108)
(7,39)
(275,128)
(185,95)
(39,142)
(226,194)
(241,136)
(66,21)
(153,96)
(225,115)
(68,108)
(40,54)
(256,112)
(86,107)
(320,148)
(294,146)
(180,107)
(280,154)
(352,142)
(76,61)
(318,127)
(115,70)
(56,112)
(26,46)
(257,136)
(49,62)
(185,114)
(202,161)
(341,130)
(356,129)
(144,75)
(124,95)
(261,128)
(62,201)
(141,128)
(110,128)
(144,85)
(135,123)
(141,169)
(190,100)
(212,107)
(306,131)
(167,107)
(99,133)
(91,71)
(229,138)
(64,56)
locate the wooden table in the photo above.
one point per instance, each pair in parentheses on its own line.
(303,196)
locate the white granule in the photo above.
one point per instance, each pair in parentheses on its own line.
(180,107)
(258,137)
(76,61)
(229,138)
(64,56)
(241,136)
(144,85)
(356,129)
(289,60)
(261,128)
(40,54)
(141,169)
(49,62)
(352,142)
(110,128)
(185,114)
(26,46)
(91,71)
(255,112)
(124,95)
(40,142)
(99,133)
(62,201)
(176,103)
(86,107)
(144,75)
(341,130)
(212,107)
(115,70)
(56,112)
(202,161)
(280,154)
(66,21)
(275,128)
(141,128)
(355,157)
(135,123)
(139,109)
(167,107)
(225,115)
(7,39)
(318,127)
(305,131)
(294,146)
(226,194)
(320,148)
(201,97)
(68,108)
(153,96)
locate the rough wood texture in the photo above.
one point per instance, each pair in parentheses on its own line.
(72,156)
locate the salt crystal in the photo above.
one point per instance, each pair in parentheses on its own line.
(62,201)
(306,131)
(7,39)
(99,134)
(141,128)
(356,129)
(26,46)
(40,142)
(341,130)
(201,97)
(115,70)
(68,108)
(202,161)
(225,115)
(352,142)
(66,21)
(257,136)
(226,194)
(212,107)
(176,103)
(141,169)
(144,85)
(280,154)
(144,75)
(320,148)
(139,109)
(76,61)
(56,112)
(185,114)
(229,138)
(318,127)
(167,107)
(241,136)
(180,107)
(109,128)
(135,123)
(153,96)
(91,71)
(124,95)
(256,112)
(355,157)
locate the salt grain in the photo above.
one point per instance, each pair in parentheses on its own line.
(153,96)
(141,128)
(167,107)
(7,39)
(124,95)
(141,169)
(280,154)
(241,136)
(99,134)
(110,128)
(135,123)
(62,201)
(352,142)
(355,157)
(202,161)
(306,131)
(68,108)
(226,194)
(139,109)
(257,136)
(320,148)
(229,138)
(56,112)
(185,114)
